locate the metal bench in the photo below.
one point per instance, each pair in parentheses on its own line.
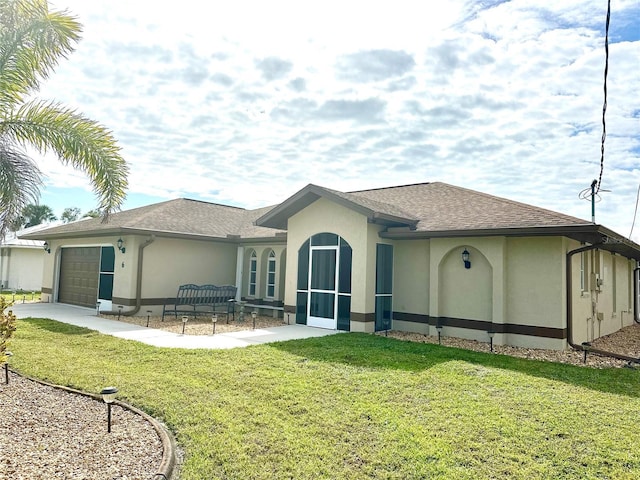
(196,299)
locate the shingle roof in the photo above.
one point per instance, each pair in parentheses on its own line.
(180,217)
(443,207)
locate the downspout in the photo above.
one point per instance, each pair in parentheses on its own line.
(138,282)
(569,275)
(635,293)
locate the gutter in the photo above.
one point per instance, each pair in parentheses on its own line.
(636,318)
(583,347)
(130,313)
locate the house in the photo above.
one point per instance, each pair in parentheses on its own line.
(413,257)
(21,261)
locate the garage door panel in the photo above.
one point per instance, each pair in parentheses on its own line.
(79,275)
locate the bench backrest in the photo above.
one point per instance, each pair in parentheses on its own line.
(191,294)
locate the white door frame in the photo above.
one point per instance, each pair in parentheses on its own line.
(321,322)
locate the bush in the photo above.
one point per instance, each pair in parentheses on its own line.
(7,327)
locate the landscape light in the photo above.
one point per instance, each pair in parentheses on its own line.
(491,333)
(254,314)
(185,319)
(109,395)
(214,320)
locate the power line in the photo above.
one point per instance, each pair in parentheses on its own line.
(604,105)
(636,212)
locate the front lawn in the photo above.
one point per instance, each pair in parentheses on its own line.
(357,406)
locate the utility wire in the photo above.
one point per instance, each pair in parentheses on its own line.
(636,212)
(604,105)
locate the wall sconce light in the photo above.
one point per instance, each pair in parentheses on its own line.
(465,258)
(109,395)
(120,244)
(46,247)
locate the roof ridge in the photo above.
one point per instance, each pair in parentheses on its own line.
(391,187)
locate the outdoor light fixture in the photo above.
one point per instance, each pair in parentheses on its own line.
(120,244)
(491,333)
(586,346)
(254,314)
(46,247)
(109,395)
(439,329)
(185,319)
(119,311)
(148,315)
(6,366)
(465,258)
(214,320)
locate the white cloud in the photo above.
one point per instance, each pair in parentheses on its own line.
(246,102)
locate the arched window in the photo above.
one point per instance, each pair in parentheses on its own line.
(253,273)
(271,275)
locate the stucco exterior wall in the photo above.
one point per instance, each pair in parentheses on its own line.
(325,216)
(21,268)
(170,262)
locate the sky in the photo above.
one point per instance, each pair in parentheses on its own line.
(244,103)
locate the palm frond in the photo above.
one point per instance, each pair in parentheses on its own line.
(77,140)
(20,182)
(32,41)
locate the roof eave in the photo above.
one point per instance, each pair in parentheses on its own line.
(587,233)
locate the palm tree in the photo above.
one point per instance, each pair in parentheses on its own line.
(32,41)
(31,215)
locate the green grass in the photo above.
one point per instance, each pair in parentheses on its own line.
(357,406)
(18,295)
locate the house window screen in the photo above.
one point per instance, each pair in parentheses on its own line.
(384,286)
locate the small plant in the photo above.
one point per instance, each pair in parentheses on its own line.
(7,327)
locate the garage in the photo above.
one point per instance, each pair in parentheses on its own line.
(79,275)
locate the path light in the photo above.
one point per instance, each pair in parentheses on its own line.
(6,366)
(109,395)
(288,318)
(97,308)
(439,329)
(586,346)
(148,315)
(254,314)
(491,333)
(214,320)
(231,308)
(119,311)
(465,258)
(185,319)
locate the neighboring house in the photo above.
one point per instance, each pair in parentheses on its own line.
(21,261)
(411,258)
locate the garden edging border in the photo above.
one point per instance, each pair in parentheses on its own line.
(169,451)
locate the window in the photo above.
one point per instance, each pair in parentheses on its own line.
(271,275)
(384,286)
(253,273)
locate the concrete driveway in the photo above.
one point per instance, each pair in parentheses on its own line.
(86,317)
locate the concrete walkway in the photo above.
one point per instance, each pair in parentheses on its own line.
(86,317)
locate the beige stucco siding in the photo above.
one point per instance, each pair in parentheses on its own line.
(411,276)
(536,289)
(325,216)
(169,263)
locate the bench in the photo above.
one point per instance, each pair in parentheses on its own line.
(194,299)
